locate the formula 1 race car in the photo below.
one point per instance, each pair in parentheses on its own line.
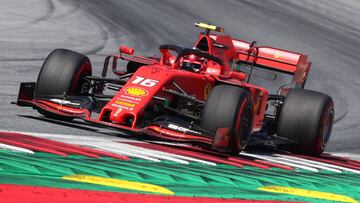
(201,95)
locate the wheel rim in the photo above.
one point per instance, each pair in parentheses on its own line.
(85,85)
(246,125)
(327,126)
(77,84)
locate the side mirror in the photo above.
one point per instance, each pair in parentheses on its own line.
(126,50)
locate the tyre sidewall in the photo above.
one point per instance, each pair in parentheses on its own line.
(238,138)
(301,119)
(224,108)
(322,141)
(62,73)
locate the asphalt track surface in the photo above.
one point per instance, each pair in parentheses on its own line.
(328,31)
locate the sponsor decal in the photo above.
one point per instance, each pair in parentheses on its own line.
(122,107)
(182,129)
(136,91)
(64,102)
(123,103)
(129,99)
(212,70)
(207,90)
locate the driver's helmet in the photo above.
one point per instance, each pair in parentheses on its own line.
(192,63)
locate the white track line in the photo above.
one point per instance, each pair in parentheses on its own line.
(17,149)
(122,149)
(323,164)
(90,140)
(194,160)
(352,156)
(272,159)
(108,146)
(304,163)
(146,152)
(126,153)
(168,156)
(112,144)
(80,137)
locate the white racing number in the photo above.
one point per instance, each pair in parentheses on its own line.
(144,82)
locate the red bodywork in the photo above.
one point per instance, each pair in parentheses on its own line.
(196,83)
(151,80)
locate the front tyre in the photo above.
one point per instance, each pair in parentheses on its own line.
(230,107)
(62,74)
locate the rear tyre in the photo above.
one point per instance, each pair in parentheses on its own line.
(231,107)
(62,74)
(307,118)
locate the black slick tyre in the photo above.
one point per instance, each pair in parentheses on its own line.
(62,74)
(230,107)
(307,118)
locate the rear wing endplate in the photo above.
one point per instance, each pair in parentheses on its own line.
(275,59)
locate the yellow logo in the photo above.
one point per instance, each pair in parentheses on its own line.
(122,103)
(136,91)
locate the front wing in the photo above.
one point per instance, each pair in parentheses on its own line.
(165,128)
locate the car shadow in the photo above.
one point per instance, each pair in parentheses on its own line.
(99,129)
(90,127)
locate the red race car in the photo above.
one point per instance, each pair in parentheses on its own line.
(202,95)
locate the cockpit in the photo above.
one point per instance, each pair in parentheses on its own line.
(190,59)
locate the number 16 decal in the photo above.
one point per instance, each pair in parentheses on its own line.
(144,82)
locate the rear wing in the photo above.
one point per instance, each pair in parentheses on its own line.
(275,59)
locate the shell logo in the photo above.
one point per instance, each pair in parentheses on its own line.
(136,91)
